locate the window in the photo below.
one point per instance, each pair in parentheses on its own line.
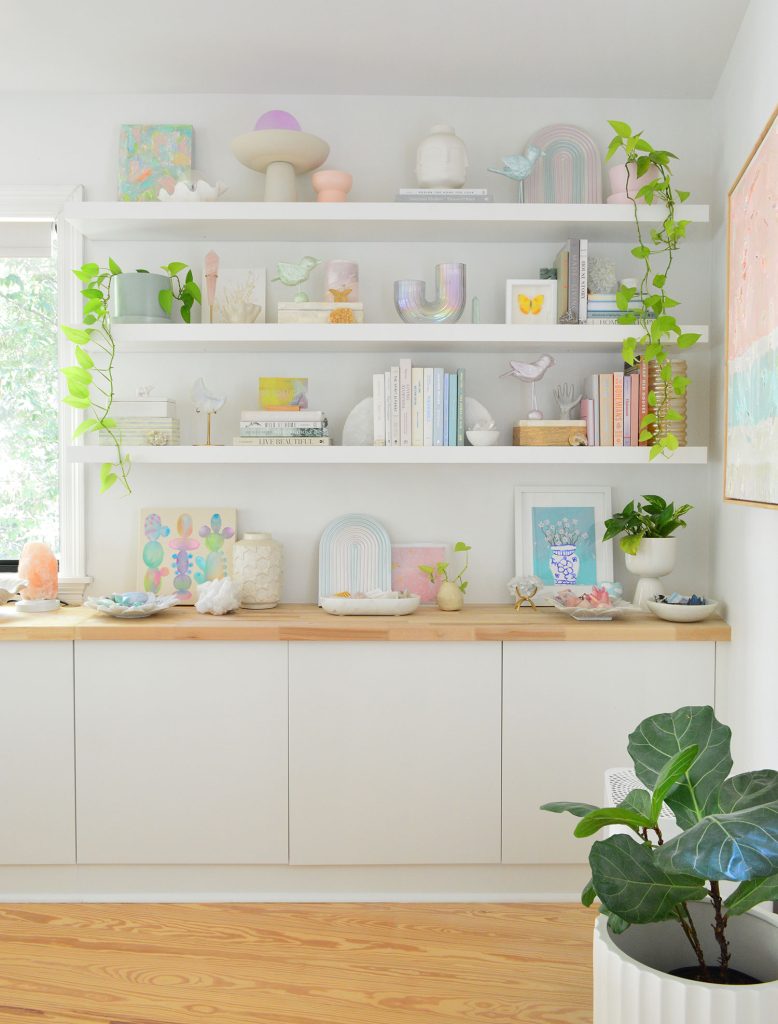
(29,389)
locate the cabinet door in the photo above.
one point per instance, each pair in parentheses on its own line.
(394,753)
(181,752)
(568,709)
(37,797)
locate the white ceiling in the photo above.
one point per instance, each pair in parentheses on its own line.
(593,48)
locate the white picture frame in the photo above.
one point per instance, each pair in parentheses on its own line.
(537,555)
(531,289)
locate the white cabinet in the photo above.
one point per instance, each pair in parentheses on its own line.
(182,752)
(567,711)
(394,753)
(37,801)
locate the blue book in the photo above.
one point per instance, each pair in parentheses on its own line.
(437,406)
(446,396)
(460,407)
(452,409)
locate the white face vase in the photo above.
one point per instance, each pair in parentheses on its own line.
(441,159)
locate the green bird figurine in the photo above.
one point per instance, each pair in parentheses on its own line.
(293,274)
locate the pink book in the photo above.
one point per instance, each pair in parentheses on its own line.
(587,413)
(618,409)
(634,383)
(627,411)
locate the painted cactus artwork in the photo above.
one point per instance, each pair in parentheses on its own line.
(151,157)
(182,548)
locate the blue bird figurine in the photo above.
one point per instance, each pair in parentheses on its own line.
(519,167)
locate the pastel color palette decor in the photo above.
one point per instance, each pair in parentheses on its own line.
(182,547)
(569,169)
(355,557)
(406,575)
(151,157)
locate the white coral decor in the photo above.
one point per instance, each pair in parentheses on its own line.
(217,597)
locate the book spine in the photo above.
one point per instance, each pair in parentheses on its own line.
(593,392)
(288,416)
(572,280)
(606,409)
(602,321)
(446,400)
(395,372)
(379,412)
(429,405)
(452,409)
(387,407)
(634,383)
(437,406)
(627,411)
(587,414)
(442,192)
(405,402)
(262,430)
(561,263)
(618,409)
(417,406)
(264,441)
(460,407)
(643,378)
(583,275)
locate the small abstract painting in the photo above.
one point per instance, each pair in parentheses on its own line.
(239,297)
(406,575)
(181,548)
(751,462)
(151,157)
(277,393)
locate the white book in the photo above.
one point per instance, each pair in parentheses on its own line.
(379,411)
(405,402)
(395,372)
(583,274)
(273,441)
(592,392)
(428,405)
(142,407)
(387,407)
(442,192)
(290,415)
(437,406)
(417,406)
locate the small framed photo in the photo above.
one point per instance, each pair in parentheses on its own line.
(559,537)
(406,575)
(530,302)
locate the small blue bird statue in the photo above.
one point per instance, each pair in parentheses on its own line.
(519,167)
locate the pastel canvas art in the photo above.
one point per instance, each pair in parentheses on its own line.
(181,548)
(151,157)
(752,328)
(406,575)
(283,393)
(239,296)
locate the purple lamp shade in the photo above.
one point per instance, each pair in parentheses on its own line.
(277,119)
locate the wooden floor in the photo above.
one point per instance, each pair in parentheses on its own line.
(295,964)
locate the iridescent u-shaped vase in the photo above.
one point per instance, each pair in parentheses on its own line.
(447,305)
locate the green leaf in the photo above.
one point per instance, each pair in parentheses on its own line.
(83,275)
(175,268)
(616,924)
(186,314)
(166,300)
(603,817)
(613,148)
(643,163)
(630,545)
(639,801)
(743,791)
(671,442)
(628,347)
(92,293)
(86,426)
(659,280)
(107,423)
(651,400)
(632,884)
(461,546)
(113,266)
(641,252)
(76,403)
(645,435)
(107,480)
(680,384)
(687,340)
(672,415)
(194,290)
(648,419)
(93,305)
(621,128)
(560,806)
(588,896)
(658,739)
(91,269)
(83,358)
(669,776)
(78,337)
(682,196)
(77,373)
(749,894)
(426,569)
(77,390)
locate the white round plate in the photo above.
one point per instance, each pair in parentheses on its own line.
(371,605)
(682,612)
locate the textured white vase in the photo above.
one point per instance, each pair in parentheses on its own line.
(257,569)
(655,558)
(630,986)
(441,159)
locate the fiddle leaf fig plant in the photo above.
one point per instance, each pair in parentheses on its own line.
(729,832)
(440,569)
(656,519)
(655,325)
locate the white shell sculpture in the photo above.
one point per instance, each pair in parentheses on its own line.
(186,192)
(217,597)
(355,557)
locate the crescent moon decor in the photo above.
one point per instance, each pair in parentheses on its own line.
(569,169)
(445,308)
(355,557)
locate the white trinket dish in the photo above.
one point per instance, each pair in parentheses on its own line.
(371,605)
(107,606)
(682,612)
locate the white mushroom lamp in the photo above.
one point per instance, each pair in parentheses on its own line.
(280,149)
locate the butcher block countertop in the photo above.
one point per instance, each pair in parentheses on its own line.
(494,622)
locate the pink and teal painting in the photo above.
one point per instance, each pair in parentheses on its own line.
(180,548)
(151,157)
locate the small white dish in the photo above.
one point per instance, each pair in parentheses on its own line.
(482,438)
(682,612)
(371,605)
(618,610)
(106,606)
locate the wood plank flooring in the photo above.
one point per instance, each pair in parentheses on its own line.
(340,963)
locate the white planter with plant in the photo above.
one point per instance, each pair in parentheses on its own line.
(647,542)
(702,959)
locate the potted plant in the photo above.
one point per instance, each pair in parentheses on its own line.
(90,383)
(451,594)
(651,169)
(698,956)
(140,297)
(647,542)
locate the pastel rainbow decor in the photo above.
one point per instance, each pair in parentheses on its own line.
(569,169)
(355,557)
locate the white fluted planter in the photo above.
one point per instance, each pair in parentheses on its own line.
(630,986)
(257,569)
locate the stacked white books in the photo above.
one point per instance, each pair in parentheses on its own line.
(283,427)
(418,406)
(443,195)
(143,421)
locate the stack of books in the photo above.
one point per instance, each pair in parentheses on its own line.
(443,195)
(418,406)
(602,309)
(143,421)
(572,267)
(614,406)
(284,427)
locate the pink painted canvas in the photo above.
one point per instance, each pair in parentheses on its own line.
(406,559)
(752,328)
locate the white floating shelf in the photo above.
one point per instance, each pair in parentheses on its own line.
(367,222)
(339,455)
(396,337)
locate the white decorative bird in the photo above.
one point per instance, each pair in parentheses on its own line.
(519,167)
(531,373)
(206,401)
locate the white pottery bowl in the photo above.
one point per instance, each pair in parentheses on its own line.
(482,438)
(682,612)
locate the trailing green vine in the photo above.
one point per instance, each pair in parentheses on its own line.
(653,318)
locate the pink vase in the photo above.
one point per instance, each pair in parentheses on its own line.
(618,180)
(332,186)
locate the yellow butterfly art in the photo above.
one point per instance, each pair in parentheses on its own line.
(530,306)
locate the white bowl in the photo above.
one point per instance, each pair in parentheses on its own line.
(682,612)
(371,605)
(482,438)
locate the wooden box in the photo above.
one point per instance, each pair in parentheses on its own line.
(550,432)
(320,312)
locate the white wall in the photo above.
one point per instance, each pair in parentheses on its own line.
(375,138)
(745,562)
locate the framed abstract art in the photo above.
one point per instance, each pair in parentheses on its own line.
(751,427)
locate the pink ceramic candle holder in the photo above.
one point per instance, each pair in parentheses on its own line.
(332,186)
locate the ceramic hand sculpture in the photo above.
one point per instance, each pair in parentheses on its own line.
(531,373)
(519,167)
(294,274)
(205,401)
(566,399)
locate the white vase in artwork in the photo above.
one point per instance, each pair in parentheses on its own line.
(257,569)
(564,564)
(655,558)
(441,159)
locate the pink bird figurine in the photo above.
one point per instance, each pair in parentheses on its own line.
(211,278)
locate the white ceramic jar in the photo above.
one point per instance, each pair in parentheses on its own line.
(441,159)
(257,569)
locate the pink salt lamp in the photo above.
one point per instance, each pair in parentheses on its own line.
(332,186)
(38,566)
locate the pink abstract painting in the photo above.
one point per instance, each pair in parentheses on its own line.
(406,575)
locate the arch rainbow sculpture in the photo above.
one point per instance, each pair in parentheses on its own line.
(355,557)
(570,169)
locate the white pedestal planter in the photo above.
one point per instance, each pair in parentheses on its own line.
(630,986)
(655,558)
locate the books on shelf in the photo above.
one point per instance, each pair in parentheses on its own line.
(443,195)
(418,406)
(602,309)
(283,416)
(282,426)
(280,440)
(572,267)
(613,406)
